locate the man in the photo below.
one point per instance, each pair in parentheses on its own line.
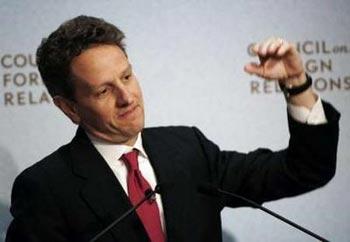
(78,190)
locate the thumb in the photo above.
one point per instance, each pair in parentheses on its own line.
(254,68)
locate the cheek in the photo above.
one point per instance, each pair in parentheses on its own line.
(138,92)
(95,114)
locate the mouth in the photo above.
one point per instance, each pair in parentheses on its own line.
(128,113)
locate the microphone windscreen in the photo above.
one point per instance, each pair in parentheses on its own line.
(148,192)
(158,189)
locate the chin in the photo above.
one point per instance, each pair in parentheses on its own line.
(134,131)
(137,126)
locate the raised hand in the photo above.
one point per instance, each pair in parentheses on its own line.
(279,60)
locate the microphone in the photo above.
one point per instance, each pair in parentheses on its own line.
(149,196)
(217,192)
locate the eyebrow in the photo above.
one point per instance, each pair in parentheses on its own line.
(128,69)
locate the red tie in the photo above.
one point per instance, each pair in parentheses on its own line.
(137,185)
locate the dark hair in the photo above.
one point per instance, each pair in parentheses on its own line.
(55,53)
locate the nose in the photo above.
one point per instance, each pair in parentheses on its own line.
(124,97)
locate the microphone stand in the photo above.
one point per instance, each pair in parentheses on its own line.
(148,194)
(208,189)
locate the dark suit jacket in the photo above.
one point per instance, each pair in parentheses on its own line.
(72,194)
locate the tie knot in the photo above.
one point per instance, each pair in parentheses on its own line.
(130,160)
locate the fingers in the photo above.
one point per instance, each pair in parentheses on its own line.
(263,48)
(283,49)
(272,47)
(254,68)
(279,59)
(275,46)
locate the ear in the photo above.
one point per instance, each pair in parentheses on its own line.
(68,107)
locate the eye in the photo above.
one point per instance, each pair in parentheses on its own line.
(127,77)
(103,92)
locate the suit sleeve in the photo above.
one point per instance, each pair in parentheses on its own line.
(36,218)
(262,175)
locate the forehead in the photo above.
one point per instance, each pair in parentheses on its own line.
(99,62)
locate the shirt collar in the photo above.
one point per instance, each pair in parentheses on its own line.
(117,150)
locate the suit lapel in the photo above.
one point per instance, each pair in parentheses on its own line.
(101,190)
(166,160)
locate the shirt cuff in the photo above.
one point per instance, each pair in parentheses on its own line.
(304,115)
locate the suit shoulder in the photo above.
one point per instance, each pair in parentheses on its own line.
(47,166)
(174,135)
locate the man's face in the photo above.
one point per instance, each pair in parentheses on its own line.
(108,99)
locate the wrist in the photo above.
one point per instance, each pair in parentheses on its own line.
(298,91)
(295,81)
(296,85)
